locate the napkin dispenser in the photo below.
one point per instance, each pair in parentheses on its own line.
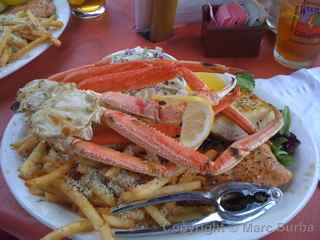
(236,41)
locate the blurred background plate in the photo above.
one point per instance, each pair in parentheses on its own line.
(63,12)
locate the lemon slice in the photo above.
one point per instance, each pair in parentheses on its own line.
(214,81)
(197,121)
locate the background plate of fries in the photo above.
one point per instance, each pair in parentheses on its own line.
(297,194)
(26,36)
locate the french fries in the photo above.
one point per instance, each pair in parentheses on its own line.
(21,32)
(45,180)
(87,209)
(30,165)
(26,145)
(105,232)
(83,204)
(144,191)
(107,198)
(50,197)
(4,39)
(181,187)
(157,216)
(5,57)
(27,48)
(118,222)
(154,188)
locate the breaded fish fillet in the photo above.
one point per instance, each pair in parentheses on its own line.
(260,167)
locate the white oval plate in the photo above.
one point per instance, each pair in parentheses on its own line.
(297,194)
(63,13)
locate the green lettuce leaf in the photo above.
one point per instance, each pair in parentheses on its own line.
(245,81)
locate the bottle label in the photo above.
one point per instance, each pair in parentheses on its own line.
(308,22)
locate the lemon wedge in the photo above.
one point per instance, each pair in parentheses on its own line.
(214,81)
(197,119)
(197,122)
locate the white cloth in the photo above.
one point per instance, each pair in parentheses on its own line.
(301,90)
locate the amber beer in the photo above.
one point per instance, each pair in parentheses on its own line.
(298,40)
(88,8)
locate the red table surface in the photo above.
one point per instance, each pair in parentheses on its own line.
(87,41)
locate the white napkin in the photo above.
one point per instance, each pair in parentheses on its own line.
(301,90)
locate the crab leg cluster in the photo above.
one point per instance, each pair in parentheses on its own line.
(124,116)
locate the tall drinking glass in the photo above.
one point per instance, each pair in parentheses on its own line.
(163,19)
(298,39)
(88,8)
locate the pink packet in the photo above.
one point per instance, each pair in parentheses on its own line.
(230,15)
(238,13)
(223,16)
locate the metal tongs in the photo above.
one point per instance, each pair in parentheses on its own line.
(235,203)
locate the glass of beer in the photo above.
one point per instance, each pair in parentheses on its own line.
(88,8)
(298,39)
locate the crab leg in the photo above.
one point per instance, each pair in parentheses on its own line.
(155,141)
(193,81)
(112,157)
(241,148)
(196,66)
(90,72)
(130,80)
(131,104)
(145,108)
